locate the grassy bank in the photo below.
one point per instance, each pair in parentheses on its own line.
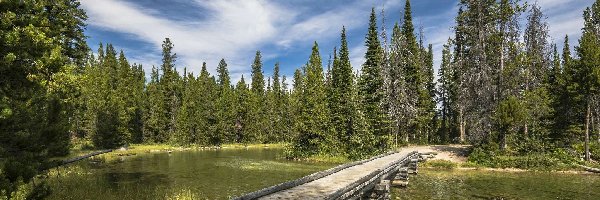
(81,148)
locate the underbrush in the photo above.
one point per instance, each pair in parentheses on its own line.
(553,160)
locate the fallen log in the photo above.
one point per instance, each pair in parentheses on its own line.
(72,160)
(589,169)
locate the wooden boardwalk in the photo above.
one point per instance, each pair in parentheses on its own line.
(342,182)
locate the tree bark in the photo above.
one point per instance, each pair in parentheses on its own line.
(587,132)
(503,141)
(461,125)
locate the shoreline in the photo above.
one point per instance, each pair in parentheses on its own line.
(512,170)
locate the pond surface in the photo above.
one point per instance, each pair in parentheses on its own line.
(208,174)
(475,184)
(227,173)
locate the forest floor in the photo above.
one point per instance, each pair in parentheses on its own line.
(456,157)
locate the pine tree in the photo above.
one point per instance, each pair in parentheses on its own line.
(187,127)
(410,63)
(207,111)
(370,86)
(536,96)
(341,103)
(295,106)
(563,113)
(257,110)
(225,105)
(258,80)
(276,98)
(312,123)
(242,95)
(446,93)
(155,122)
(170,89)
(587,70)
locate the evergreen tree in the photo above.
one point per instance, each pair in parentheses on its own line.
(536,96)
(207,112)
(341,103)
(225,105)
(187,127)
(446,91)
(312,123)
(587,72)
(256,128)
(155,120)
(563,113)
(370,86)
(41,52)
(276,98)
(242,95)
(169,86)
(258,80)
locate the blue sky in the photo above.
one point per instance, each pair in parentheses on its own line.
(284,31)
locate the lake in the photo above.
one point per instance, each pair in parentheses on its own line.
(222,174)
(207,174)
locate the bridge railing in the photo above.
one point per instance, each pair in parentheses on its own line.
(368,182)
(305,179)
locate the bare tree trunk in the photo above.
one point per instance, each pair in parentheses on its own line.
(594,125)
(461,126)
(598,127)
(503,143)
(406,138)
(587,132)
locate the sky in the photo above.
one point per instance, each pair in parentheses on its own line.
(283,30)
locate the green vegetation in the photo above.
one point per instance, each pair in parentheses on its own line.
(439,164)
(477,184)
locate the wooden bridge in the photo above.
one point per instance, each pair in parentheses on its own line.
(366,179)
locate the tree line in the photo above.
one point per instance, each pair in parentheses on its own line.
(514,89)
(333,112)
(497,85)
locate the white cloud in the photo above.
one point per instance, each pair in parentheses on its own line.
(357,56)
(233,30)
(564,18)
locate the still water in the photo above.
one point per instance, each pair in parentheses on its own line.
(208,174)
(475,184)
(226,173)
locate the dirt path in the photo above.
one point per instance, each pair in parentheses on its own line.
(454,153)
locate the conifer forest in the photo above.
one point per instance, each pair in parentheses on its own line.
(502,86)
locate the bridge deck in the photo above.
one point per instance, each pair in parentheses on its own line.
(321,188)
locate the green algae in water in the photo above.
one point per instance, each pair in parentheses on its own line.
(194,174)
(475,184)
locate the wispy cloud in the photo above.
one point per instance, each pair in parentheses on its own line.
(233,30)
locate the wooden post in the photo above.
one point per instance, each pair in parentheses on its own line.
(413,166)
(381,190)
(401,178)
